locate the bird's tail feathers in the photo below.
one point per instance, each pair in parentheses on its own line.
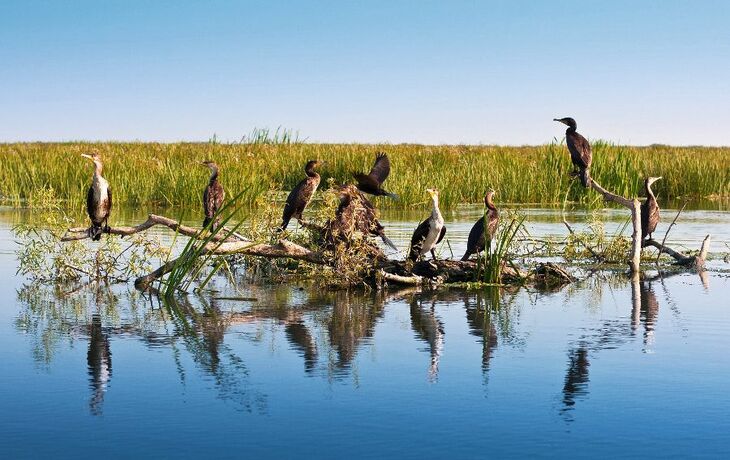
(387,241)
(585,177)
(466,256)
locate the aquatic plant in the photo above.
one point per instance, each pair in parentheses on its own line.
(269,164)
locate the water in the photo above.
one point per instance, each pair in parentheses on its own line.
(604,367)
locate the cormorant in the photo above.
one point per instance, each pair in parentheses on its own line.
(357,213)
(372,182)
(98,199)
(430,232)
(212,197)
(478,238)
(580,151)
(301,195)
(649,210)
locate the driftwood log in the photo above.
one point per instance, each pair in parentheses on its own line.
(384,271)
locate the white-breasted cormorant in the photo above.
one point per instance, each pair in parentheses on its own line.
(301,195)
(649,210)
(213,197)
(372,182)
(98,199)
(430,232)
(478,238)
(580,151)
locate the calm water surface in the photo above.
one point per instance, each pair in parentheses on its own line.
(602,368)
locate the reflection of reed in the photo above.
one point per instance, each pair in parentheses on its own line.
(99,361)
(429,328)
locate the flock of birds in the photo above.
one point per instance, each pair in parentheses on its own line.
(426,236)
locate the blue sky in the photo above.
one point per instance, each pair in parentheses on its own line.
(490,72)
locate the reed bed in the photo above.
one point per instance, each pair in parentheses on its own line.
(170,174)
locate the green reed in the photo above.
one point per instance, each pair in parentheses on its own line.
(170,174)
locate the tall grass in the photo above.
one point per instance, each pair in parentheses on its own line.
(169,174)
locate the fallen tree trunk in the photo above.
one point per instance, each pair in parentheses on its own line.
(697,261)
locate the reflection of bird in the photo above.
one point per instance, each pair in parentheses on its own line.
(649,210)
(430,329)
(301,195)
(99,362)
(576,379)
(430,232)
(478,238)
(212,197)
(580,150)
(301,339)
(649,309)
(372,182)
(356,213)
(98,199)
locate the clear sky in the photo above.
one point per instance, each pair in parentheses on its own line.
(490,72)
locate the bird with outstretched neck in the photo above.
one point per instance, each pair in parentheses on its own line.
(580,151)
(98,199)
(649,210)
(301,195)
(430,232)
(478,237)
(372,182)
(213,197)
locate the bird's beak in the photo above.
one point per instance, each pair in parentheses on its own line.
(86,155)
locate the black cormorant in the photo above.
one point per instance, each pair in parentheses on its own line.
(213,197)
(649,210)
(580,151)
(301,195)
(98,199)
(478,238)
(430,232)
(372,182)
(357,213)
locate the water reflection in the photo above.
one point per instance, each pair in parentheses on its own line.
(99,361)
(326,331)
(352,320)
(430,329)
(611,334)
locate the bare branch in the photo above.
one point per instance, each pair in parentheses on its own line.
(80,233)
(661,249)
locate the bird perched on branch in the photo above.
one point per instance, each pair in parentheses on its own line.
(98,199)
(480,235)
(356,213)
(372,182)
(649,210)
(580,151)
(301,195)
(213,197)
(430,232)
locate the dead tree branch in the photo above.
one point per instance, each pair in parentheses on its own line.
(81,233)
